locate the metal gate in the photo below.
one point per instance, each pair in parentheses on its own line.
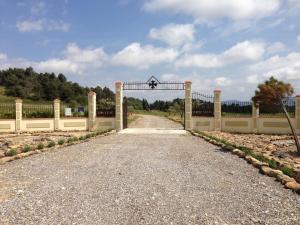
(125,113)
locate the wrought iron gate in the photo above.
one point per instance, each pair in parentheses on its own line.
(125,113)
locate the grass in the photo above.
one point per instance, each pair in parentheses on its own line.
(51,144)
(287,171)
(82,138)
(61,141)
(11,152)
(40,146)
(27,148)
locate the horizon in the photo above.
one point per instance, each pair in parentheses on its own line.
(98,43)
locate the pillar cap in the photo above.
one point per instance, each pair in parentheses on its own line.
(217,90)
(56,100)
(18,100)
(92,93)
(188,81)
(118,82)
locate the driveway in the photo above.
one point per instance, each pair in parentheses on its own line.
(142,178)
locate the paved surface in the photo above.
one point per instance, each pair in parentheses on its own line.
(142,179)
(149,121)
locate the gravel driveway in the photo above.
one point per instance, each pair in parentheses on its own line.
(142,179)
(149,121)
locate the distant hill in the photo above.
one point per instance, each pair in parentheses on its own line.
(30,85)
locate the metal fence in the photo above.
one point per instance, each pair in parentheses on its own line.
(275,109)
(7,110)
(67,110)
(202,105)
(37,110)
(236,108)
(105,108)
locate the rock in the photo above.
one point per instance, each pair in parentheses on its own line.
(293,186)
(238,152)
(255,162)
(284,179)
(270,172)
(271,147)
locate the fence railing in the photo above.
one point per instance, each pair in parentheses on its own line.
(37,110)
(275,109)
(7,110)
(202,105)
(67,110)
(105,111)
(236,108)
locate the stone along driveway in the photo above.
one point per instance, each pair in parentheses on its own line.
(142,178)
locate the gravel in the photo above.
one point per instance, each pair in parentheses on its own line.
(142,179)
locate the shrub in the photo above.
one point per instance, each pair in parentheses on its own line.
(51,144)
(88,136)
(61,141)
(287,171)
(40,146)
(81,138)
(11,152)
(75,138)
(272,163)
(27,148)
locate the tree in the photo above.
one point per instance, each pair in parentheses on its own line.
(272,91)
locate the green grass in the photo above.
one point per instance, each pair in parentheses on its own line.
(40,146)
(82,138)
(51,144)
(11,152)
(27,148)
(61,141)
(287,171)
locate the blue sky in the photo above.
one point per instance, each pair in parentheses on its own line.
(230,45)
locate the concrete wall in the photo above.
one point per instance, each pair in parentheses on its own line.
(73,124)
(237,124)
(7,126)
(28,125)
(203,123)
(105,123)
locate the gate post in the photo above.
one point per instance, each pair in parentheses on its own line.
(255,116)
(119,105)
(92,110)
(188,105)
(217,109)
(18,114)
(297,112)
(56,114)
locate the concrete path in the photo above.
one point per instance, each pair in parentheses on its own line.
(149,121)
(142,179)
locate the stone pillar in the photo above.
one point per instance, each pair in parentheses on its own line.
(18,114)
(92,110)
(119,105)
(217,110)
(297,113)
(188,105)
(255,117)
(56,107)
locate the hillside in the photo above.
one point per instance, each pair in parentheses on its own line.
(30,85)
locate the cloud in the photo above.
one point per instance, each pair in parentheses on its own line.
(242,51)
(298,39)
(38,8)
(276,47)
(174,34)
(252,79)
(142,57)
(223,81)
(217,9)
(75,60)
(286,67)
(294,3)
(3,56)
(42,25)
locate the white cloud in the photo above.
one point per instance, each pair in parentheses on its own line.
(216,9)
(223,81)
(276,47)
(38,7)
(298,39)
(294,3)
(3,56)
(42,25)
(174,34)
(252,79)
(243,51)
(286,67)
(75,60)
(142,57)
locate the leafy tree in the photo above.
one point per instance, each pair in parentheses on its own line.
(272,91)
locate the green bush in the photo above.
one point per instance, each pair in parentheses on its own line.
(287,171)
(88,136)
(11,152)
(61,141)
(40,146)
(75,138)
(272,163)
(51,144)
(27,148)
(81,138)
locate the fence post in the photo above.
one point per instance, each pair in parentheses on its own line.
(56,103)
(119,105)
(217,110)
(92,110)
(297,112)
(188,105)
(255,117)
(18,114)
